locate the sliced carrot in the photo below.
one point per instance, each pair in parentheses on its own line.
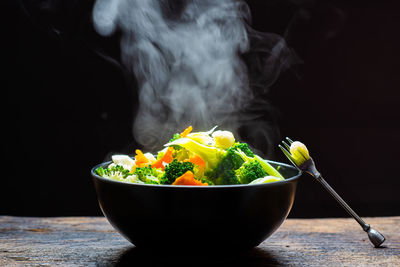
(186,131)
(167,158)
(199,167)
(140,159)
(187,179)
(197,160)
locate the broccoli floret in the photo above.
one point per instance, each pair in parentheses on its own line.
(231,160)
(244,148)
(115,171)
(174,170)
(148,175)
(224,172)
(204,180)
(175,137)
(268,168)
(228,177)
(238,166)
(99,171)
(250,171)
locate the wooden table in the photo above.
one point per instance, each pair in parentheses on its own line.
(91,241)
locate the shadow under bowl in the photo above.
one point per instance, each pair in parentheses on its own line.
(226,218)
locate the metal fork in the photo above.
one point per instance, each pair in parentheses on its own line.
(308,166)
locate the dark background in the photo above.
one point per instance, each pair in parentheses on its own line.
(68,107)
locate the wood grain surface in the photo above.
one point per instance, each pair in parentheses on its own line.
(91,241)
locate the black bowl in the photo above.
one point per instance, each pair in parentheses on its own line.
(175,218)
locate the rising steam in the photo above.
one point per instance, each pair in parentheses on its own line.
(187,59)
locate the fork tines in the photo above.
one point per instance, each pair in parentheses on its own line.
(289,140)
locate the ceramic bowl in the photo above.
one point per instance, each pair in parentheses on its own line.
(225,218)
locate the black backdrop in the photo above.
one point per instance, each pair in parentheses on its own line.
(68,108)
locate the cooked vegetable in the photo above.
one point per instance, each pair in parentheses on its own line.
(140,159)
(186,131)
(114,171)
(266,179)
(203,137)
(224,139)
(194,158)
(265,165)
(164,159)
(224,172)
(148,175)
(299,153)
(211,155)
(187,179)
(228,177)
(174,170)
(244,148)
(176,136)
(249,172)
(124,161)
(197,160)
(117,172)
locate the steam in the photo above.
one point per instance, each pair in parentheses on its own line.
(187,59)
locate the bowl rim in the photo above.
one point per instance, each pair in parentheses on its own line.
(286,180)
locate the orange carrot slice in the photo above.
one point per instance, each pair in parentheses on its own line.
(197,160)
(167,158)
(140,159)
(187,179)
(186,131)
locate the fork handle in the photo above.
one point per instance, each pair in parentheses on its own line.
(317,175)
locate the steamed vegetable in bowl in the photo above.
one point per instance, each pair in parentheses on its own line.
(194,158)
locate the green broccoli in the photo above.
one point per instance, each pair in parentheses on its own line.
(224,172)
(240,167)
(228,177)
(174,170)
(175,137)
(244,148)
(268,168)
(116,171)
(249,172)
(204,180)
(100,171)
(148,175)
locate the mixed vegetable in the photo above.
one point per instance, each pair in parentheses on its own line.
(194,158)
